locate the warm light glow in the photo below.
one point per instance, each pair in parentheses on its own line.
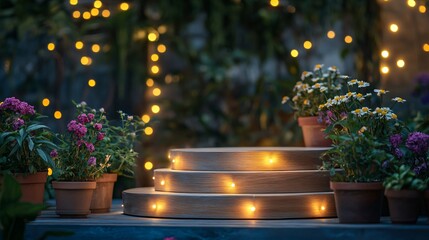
(148,166)
(86,15)
(153,178)
(79,45)
(162,182)
(270,160)
(85,61)
(330,34)
(322,208)
(426,47)
(98,4)
(91,82)
(274,3)
(154,57)
(233,185)
(124,6)
(161,48)
(153,206)
(95,12)
(422,9)
(400,63)
(51,46)
(105,13)
(411,3)
(156,91)
(95,48)
(385,54)
(57,115)
(252,209)
(146,118)
(76,14)
(148,131)
(307,44)
(73,2)
(154,69)
(294,53)
(162,29)
(46,102)
(348,39)
(49,171)
(173,161)
(152,37)
(149,82)
(384,69)
(393,27)
(155,109)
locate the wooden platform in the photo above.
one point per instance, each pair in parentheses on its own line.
(115,225)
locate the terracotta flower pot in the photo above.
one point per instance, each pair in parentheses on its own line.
(312,131)
(358,202)
(404,205)
(102,198)
(73,198)
(32,186)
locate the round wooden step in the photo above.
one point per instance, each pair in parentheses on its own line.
(147,202)
(241,181)
(246,158)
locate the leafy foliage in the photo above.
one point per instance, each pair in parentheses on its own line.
(404,178)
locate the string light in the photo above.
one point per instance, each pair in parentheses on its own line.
(155,109)
(411,3)
(400,63)
(322,208)
(393,27)
(51,46)
(162,182)
(146,118)
(92,82)
(79,45)
(294,53)
(385,70)
(154,69)
(148,166)
(85,61)
(73,2)
(252,208)
(233,185)
(162,29)
(86,15)
(385,54)
(154,57)
(422,8)
(95,12)
(98,4)
(274,3)
(46,102)
(149,82)
(154,206)
(330,34)
(161,48)
(168,79)
(348,39)
(95,48)
(105,13)
(307,44)
(152,37)
(76,14)
(57,114)
(148,131)
(156,92)
(270,160)
(124,6)
(426,47)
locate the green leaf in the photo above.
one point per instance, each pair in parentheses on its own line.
(43,155)
(36,127)
(10,191)
(30,144)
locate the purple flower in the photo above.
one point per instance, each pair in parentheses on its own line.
(92,161)
(90,116)
(17,123)
(98,126)
(76,128)
(80,142)
(385,164)
(17,106)
(100,136)
(398,153)
(418,143)
(395,140)
(420,169)
(90,147)
(53,153)
(83,118)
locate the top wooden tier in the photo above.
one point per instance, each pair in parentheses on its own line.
(246,159)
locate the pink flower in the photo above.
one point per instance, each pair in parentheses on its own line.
(98,126)
(53,153)
(100,136)
(17,106)
(83,118)
(17,123)
(92,161)
(90,116)
(90,147)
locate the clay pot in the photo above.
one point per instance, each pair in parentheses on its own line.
(102,198)
(312,131)
(73,198)
(32,186)
(358,202)
(404,205)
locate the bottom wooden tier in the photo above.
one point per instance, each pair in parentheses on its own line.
(146,202)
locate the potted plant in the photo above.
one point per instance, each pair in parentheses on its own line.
(78,165)
(24,148)
(314,89)
(360,135)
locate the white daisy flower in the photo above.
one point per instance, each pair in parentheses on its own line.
(362,84)
(285,99)
(399,100)
(380,91)
(352,82)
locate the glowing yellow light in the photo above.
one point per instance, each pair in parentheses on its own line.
(330,34)
(148,131)
(49,171)
(154,69)
(385,54)
(400,63)
(307,44)
(173,161)
(155,109)
(95,12)
(233,185)
(154,57)
(252,209)
(85,61)
(146,118)
(98,4)
(153,206)
(422,9)
(51,46)
(322,208)
(274,3)
(148,165)
(294,53)
(79,45)
(86,15)
(73,2)
(152,37)
(76,14)
(91,82)
(393,27)
(95,48)
(162,182)
(124,6)
(161,48)
(270,160)
(384,69)
(162,29)
(153,178)
(149,82)
(46,102)
(156,91)
(57,115)
(348,39)
(426,47)
(105,13)
(411,3)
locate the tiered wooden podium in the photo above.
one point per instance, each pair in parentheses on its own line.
(237,183)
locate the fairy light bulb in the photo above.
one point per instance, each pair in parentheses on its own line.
(154,206)
(252,208)
(162,182)
(233,185)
